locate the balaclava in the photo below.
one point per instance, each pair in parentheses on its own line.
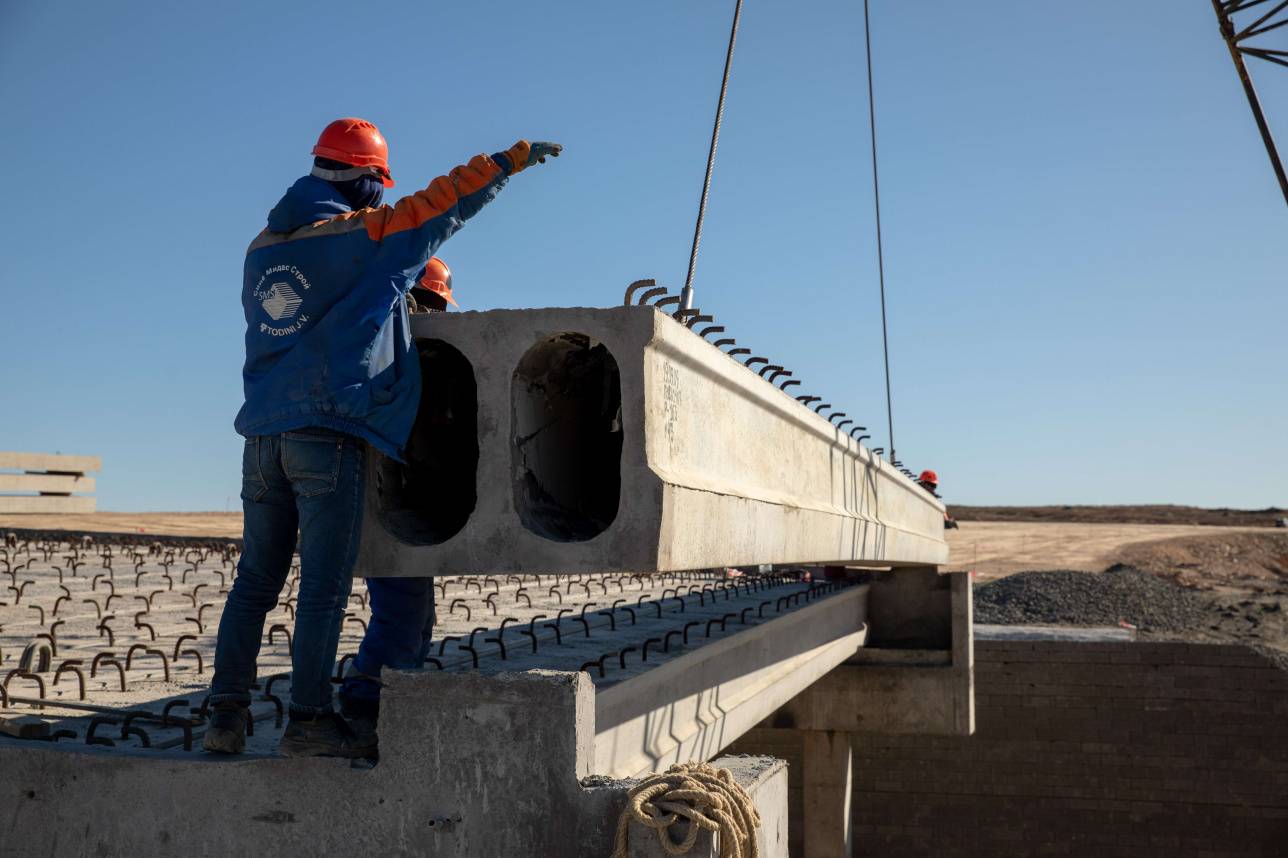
(360,188)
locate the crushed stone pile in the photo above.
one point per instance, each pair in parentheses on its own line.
(1120,593)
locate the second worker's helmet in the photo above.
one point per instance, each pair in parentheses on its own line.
(437,278)
(929,476)
(358,143)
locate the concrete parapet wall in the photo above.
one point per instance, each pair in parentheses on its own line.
(472,765)
(618,439)
(1105,749)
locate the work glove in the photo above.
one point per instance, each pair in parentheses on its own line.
(538,151)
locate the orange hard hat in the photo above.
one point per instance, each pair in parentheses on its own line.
(358,143)
(438,279)
(929,476)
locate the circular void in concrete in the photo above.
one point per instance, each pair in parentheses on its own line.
(566,400)
(430,498)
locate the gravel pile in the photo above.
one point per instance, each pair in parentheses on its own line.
(1091,599)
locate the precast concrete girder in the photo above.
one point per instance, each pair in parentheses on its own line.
(692,706)
(578,440)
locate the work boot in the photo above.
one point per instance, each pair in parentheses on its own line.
(362,716)
(226,733)
(323,736)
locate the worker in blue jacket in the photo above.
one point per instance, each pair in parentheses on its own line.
(330,368)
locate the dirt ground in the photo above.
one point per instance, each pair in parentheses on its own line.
(997,548)
(220,524)
(1137,514)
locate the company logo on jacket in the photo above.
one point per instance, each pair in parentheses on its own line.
(280,300)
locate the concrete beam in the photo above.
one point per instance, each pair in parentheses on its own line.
(50,462)
(45,504)
(63,484)
(579,440)
(695,705)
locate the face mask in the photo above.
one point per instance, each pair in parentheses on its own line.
(361,191)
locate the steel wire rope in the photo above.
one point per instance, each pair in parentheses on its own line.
(876,198)
(686,295)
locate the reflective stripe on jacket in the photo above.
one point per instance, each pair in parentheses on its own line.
(327,337)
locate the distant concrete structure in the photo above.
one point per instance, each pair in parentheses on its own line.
(46,483)
(602,440)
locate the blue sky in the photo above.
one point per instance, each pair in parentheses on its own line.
(1085,245)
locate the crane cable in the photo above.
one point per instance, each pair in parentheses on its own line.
(686,296)
(876,197)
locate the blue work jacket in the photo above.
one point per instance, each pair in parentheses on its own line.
(327,337)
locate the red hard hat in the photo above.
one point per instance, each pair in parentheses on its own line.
(358,143)
(438,279)
(928,476)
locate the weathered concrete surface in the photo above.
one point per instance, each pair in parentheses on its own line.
(693,706)
(50,462)
(473,766)
(717,467)
(45,504)
(55,479)
(914,689)
(64,484)
(828,785)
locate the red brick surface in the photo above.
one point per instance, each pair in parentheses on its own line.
(1081,749)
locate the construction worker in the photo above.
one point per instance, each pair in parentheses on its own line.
(330,368)
(433,291)
(402,609)
(929,481)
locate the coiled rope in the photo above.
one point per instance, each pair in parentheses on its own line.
(708,797)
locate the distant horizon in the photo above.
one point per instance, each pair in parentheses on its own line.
(947,501)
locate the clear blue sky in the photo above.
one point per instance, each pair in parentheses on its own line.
(1085,244)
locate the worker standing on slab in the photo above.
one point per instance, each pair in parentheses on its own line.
(330,367)
(402,609)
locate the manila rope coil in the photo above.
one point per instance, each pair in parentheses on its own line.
(708,797)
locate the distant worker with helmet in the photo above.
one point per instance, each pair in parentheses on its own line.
(330,367)
(929,481)
(433,291)
(402,609)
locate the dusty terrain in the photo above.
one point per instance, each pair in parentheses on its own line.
(1136,514)
(993,549)
(218,524)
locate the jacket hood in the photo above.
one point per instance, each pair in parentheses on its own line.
(307,201)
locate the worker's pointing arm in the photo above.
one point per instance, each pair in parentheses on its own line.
(412,230)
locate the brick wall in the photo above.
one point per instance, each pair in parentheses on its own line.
(1140,749)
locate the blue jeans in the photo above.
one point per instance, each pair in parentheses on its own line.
(307,481)
(398,636)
